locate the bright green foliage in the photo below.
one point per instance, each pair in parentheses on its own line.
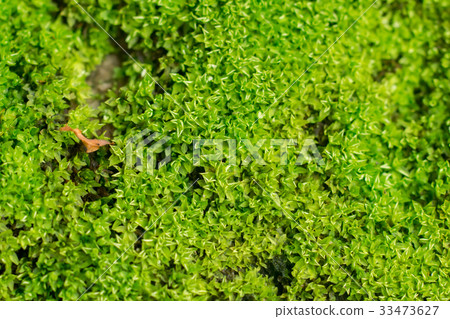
(376,104)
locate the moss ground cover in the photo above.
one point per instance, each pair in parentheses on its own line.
(371,223)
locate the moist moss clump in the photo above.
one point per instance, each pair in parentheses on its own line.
(371,223)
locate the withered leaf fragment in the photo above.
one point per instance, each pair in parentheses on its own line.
(91,145)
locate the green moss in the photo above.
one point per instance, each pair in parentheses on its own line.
(376,106)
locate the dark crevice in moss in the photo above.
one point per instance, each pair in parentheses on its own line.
(60,5)
(49,165)
(249,297)
(208,206)
(388,66)
(279,269)
(196,175)
(99,193)
(229,274)
(91,197)
(318,129)
(22,253)
(138,232)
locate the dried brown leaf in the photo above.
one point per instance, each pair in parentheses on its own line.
(91,145)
